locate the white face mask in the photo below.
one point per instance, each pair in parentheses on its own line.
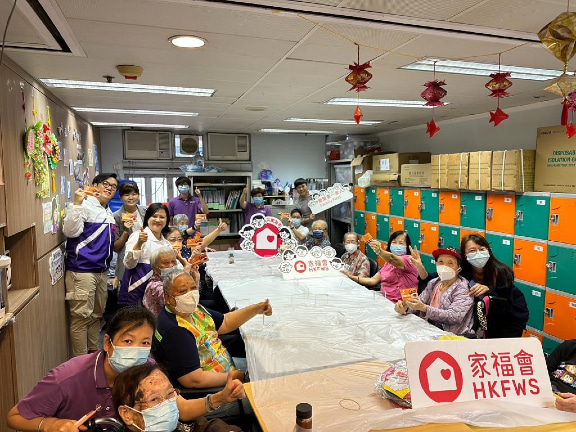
(351,247)
(445,273)
(188,302)
(478,259)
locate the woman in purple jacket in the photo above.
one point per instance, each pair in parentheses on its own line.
(445,301)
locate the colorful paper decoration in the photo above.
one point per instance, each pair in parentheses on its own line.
(433,93)
(358,114)
(41,150)
(563,86)
(497,116)
(358,78)
(431,128)
(559,36)
(570,130)
(499,84)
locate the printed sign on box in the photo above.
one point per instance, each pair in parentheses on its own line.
(512,370)
(266,236)
(325,199)
(301,263)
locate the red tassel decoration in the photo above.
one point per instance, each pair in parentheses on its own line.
(564,118)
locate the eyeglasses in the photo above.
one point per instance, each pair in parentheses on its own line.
(157,399)
(109,185)
(174,240)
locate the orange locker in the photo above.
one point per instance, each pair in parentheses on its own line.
(530,333)
(562,217)
(383,201)
(500,212)
(371,224)
(363,246)
(449,203)
(464,232)
(396,224)
(429,234)
(530,259)
(380,260)
(560,315)
(412,203)
(359,198)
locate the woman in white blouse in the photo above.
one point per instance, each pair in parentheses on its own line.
(139,248)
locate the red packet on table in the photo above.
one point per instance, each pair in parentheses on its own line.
(367,237)
(200,259)
(128,217)
(408,293)
(92,191)
(194,241)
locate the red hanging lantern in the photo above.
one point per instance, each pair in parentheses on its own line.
(358,78)
(358,114)
(499,84)
(433,93)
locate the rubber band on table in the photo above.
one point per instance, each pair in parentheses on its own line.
(350,400)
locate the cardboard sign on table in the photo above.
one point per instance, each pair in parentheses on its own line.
(301,263)
(327,198)
(507,370)
(266,236)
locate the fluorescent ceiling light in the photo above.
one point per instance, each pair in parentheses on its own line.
(379,103)
(484,69)
(122,87)
(296,131)
(130,111)
(187,41)
(342,122)
(140,125)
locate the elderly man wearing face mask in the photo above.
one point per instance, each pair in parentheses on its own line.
(319,235)
(187,336)
(357,262)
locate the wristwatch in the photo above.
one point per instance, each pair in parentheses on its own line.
(209,407)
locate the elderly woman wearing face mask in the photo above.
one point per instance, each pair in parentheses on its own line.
(319,235)
(357,262)
(445,301)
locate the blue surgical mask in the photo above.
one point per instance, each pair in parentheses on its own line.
(398,250)
(182,228)
(258,200)
(161,417)
(164,272)
(123,358)
(296,222)
(478,259)
(317,234)
(183,189)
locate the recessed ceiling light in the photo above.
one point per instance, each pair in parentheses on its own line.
(132,111)
(484,69)
(255,108)
(379,102)
(187,41)
(342,122)
(122,87)
(295,131)
(140,125)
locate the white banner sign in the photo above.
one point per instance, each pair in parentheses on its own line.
(266,236)
(301,263)
(325,199)
(512,370)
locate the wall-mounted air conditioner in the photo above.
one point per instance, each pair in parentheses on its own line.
(147,145)
(227,147)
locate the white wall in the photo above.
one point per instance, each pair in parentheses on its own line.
(111,150)
(475,133)
(289,156)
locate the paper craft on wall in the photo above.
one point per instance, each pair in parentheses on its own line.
(266,236)
(47,217)
(90,157)
(68,189)
(325,199)
(55,214)
(62,185)
(56,266)
(301,263)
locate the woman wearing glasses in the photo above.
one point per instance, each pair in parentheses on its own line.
(146,401)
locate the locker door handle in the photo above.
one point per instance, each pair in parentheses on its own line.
(549,312)
(520,215)
(489,213)
(441,207)
(555,219)
(377,201)
(517,259)
(405,203)
(391,230)
(377,227)
(422,206)
(463,209)
(355,198)
(390,201)
(551,266)
(440,241)
(421,239)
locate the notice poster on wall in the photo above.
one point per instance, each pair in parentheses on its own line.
(326,198)
(55,214)
(56,266)
(90,157)
(47,217)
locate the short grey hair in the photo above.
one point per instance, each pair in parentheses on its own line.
(169,279)
(350,234)
(177,219)
(320,222)
(157,253)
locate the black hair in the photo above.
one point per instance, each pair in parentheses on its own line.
(182,181)
(129,318)
(104,176)
(257,191)
(295,211)
(398,234)
(248,228)
(496,273)
(127,188)
(299,181)
(125,390)
(153,209)
(259,216)
(284,229)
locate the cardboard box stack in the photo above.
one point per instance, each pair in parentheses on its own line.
(415,175)
(555,161)
(513,170)
(480,171)
(388,167)
(438,171)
